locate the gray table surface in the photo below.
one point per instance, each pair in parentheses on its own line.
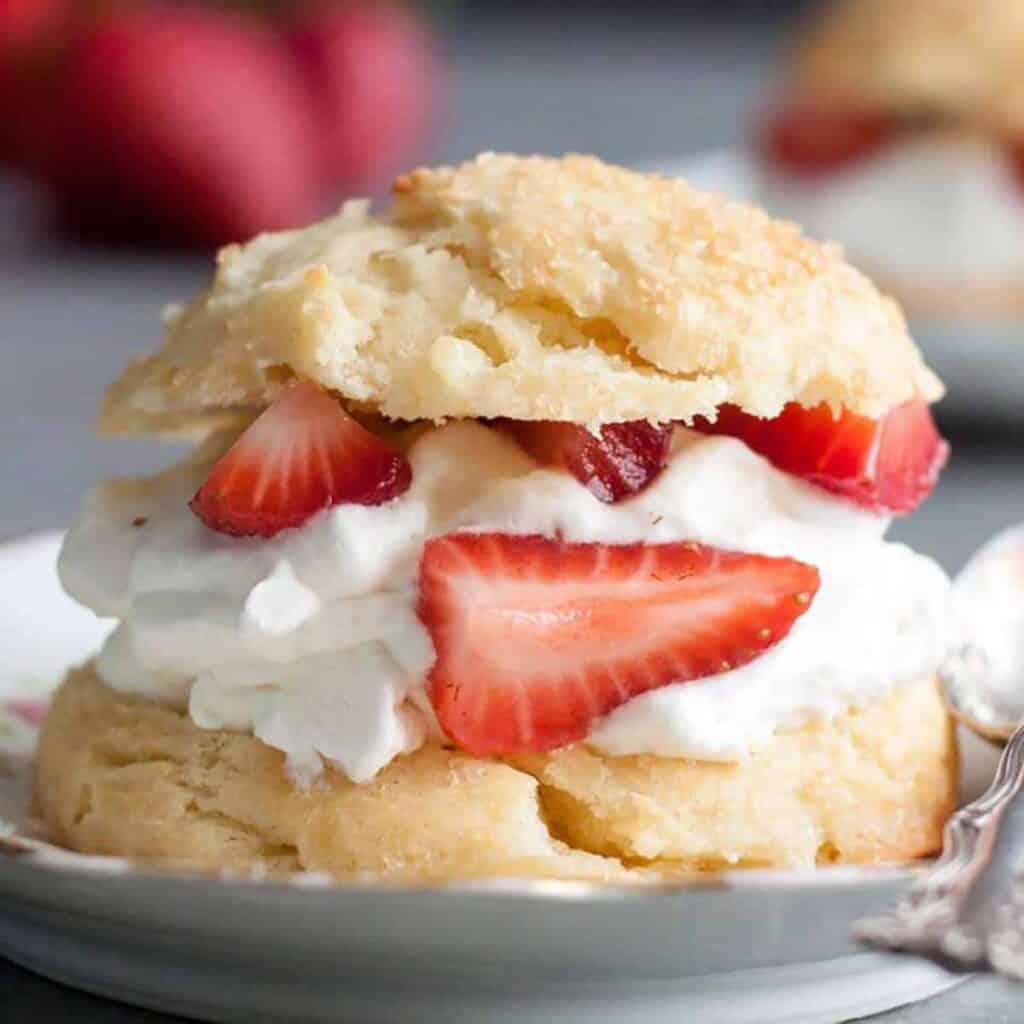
(630,92)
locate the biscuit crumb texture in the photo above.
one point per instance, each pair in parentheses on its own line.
(947,58)
(533,288)
(121,776)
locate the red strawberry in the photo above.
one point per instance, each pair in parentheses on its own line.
(887,465)
(31,32)
(189,124)
(810,140)
(620,461)
(26,25)
(373,75)
(536,638)
(303,454)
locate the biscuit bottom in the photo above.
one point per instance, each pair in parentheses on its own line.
(123,776)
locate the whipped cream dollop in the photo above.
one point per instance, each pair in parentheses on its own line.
(310,640)
(944,209)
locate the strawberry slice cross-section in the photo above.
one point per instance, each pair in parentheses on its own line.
(301,455)
(536,638)
(615,463)
(889,465)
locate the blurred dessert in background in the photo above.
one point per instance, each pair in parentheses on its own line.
(901,135)
(195,125)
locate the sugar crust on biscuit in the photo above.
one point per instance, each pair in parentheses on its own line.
(532,288)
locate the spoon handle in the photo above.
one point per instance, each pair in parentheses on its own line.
(967,911)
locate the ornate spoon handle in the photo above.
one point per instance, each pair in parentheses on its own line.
(967,911)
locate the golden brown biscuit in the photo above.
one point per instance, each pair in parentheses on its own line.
(536,289)
(116,775)
(949,58)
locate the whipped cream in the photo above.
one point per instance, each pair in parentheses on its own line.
(310,640)
(944,209)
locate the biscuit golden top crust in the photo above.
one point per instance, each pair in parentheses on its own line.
(537,289)
(951,58)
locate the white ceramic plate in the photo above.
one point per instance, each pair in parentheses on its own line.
(769,947)
(981,361)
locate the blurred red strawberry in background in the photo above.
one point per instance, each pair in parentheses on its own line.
(372,74)
(193,122)
(24,24)
(200,125)
(30,31)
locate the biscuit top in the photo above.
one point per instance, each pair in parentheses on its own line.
(956,59)
(531,288)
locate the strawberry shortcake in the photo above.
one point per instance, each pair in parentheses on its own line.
(536,528)
(900,133)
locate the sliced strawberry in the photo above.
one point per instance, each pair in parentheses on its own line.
(304,454)
(620,461)
(887,465)
(810,140)
(536,638)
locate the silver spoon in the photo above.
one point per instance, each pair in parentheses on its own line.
(967,911)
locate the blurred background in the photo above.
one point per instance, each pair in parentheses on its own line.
(135,137)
